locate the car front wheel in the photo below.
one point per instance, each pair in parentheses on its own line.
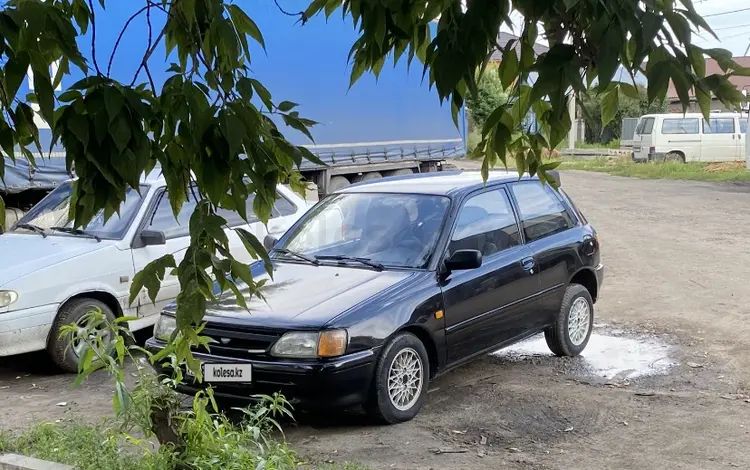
(575,320)
(64,352)
(401,380)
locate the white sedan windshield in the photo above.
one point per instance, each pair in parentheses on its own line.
(397,230)
(54,211)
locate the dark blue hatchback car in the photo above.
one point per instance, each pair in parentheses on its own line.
(384,285)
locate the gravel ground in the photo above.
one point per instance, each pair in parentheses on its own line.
(677,263)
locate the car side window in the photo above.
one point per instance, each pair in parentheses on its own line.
(163,219)
(486,223)
(541,210)
(283,206)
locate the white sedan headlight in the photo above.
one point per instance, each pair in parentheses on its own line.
(311,344)
(7,297)
(164,327)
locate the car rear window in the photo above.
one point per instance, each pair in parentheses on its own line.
(645,126)
(542,212)
(680,126)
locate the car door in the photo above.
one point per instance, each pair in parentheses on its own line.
(719,143)
(680,134)
(547,224)
(485,306)
(160,218)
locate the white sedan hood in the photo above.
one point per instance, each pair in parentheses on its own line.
(24,254)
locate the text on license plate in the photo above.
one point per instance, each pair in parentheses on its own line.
(227,372)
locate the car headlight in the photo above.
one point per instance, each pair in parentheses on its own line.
(164,327)
(299,344)
(7,297)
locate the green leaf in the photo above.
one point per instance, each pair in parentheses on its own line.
(255,248)
(2,211)
(508,68)
(120,132)
(45,97)
(150,277)
(704,100)
(15,72)
(629,90)
(609,106)
(263,92)
(113,101)
(244,24)
(658,80)
(79,126)
(286,106)
(295,123)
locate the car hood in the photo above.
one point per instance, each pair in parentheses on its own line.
(304,296)
(24,254)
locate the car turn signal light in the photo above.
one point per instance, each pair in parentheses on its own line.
(332,343)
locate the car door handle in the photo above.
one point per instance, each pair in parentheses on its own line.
(528,264)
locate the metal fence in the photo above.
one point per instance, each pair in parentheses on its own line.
(628,128)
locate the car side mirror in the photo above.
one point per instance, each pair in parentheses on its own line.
(462,260)
(269,242)
(153,237)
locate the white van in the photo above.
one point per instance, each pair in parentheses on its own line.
(690,138)
(51,275)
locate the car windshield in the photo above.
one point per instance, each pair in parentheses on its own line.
(392,230)
(53,211)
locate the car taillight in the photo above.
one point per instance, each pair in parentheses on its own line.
(652,149)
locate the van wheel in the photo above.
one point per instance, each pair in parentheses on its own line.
(674,157)
(63,353)
(401,380)
(337,182)
(575,320)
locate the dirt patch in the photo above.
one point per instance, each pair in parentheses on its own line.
(677,267)
(724,166)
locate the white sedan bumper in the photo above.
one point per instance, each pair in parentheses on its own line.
(27,330)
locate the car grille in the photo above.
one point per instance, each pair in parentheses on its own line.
(239,343)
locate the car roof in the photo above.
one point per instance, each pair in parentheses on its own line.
(444,183)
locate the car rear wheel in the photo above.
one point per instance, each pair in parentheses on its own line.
(401,380)
(63,353)
(575,320)
(674,157)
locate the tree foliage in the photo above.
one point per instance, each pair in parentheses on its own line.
(628,107)
(209,126)
(490,95)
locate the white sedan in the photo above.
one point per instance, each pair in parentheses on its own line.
(52,275)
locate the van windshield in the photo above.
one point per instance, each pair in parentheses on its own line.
(54,209)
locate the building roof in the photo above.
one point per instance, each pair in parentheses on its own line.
(443,183)
(712,67)
(504,38)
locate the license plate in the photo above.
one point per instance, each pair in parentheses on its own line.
(227,372)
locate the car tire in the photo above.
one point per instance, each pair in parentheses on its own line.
(674,157)
(64,357)
(403,350)
(373,175)
(337,182)
(575,320)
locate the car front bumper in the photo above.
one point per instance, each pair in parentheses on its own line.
(338,383)
(26,330)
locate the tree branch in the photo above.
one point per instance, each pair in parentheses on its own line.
(122,33)
(93,38)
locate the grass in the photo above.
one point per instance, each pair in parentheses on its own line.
(87,447)
(614,144)
(729,171)
(82,446)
